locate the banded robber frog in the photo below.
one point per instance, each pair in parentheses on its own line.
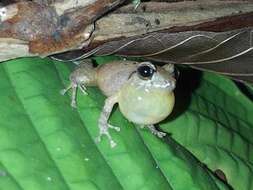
(143,91)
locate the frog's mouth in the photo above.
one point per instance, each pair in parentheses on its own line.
(167,85)
(149,85)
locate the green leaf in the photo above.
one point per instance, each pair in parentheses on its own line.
(45,144)
(218,129)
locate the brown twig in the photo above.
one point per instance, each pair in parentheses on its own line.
(37,28)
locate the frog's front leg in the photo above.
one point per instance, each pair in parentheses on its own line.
(81,77)
(103,120)
(74,86)
(155,131)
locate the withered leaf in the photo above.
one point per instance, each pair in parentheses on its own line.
(229,53)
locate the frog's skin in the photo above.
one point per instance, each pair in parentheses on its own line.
(143,91)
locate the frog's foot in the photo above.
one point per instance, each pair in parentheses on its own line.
(155,131)
(103,130)
(72,86)
(73,103)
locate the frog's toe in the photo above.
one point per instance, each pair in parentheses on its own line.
(73,104)
(160,134)
(63,91)
(103,130)
(155,131)
(112,144)
(83,89)
(114,127)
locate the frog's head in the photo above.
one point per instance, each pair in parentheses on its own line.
(150,76)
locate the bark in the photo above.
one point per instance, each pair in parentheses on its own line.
(41,29)
(46,27)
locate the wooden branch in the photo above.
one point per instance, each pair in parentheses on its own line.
(37,28)
(215,16)
(43,31)
(65,5)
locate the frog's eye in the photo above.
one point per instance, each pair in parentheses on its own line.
(146,71)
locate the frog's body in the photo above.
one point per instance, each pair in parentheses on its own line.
(110,84)
(144,92)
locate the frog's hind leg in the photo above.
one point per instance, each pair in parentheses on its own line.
(103,120)
(155,131)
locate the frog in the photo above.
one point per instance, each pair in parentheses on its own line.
(144,92)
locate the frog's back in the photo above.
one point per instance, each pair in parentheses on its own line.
(111,76)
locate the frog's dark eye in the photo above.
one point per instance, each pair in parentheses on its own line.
(145,71)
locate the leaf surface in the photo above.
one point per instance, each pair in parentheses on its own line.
(218,129)
(45,144)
